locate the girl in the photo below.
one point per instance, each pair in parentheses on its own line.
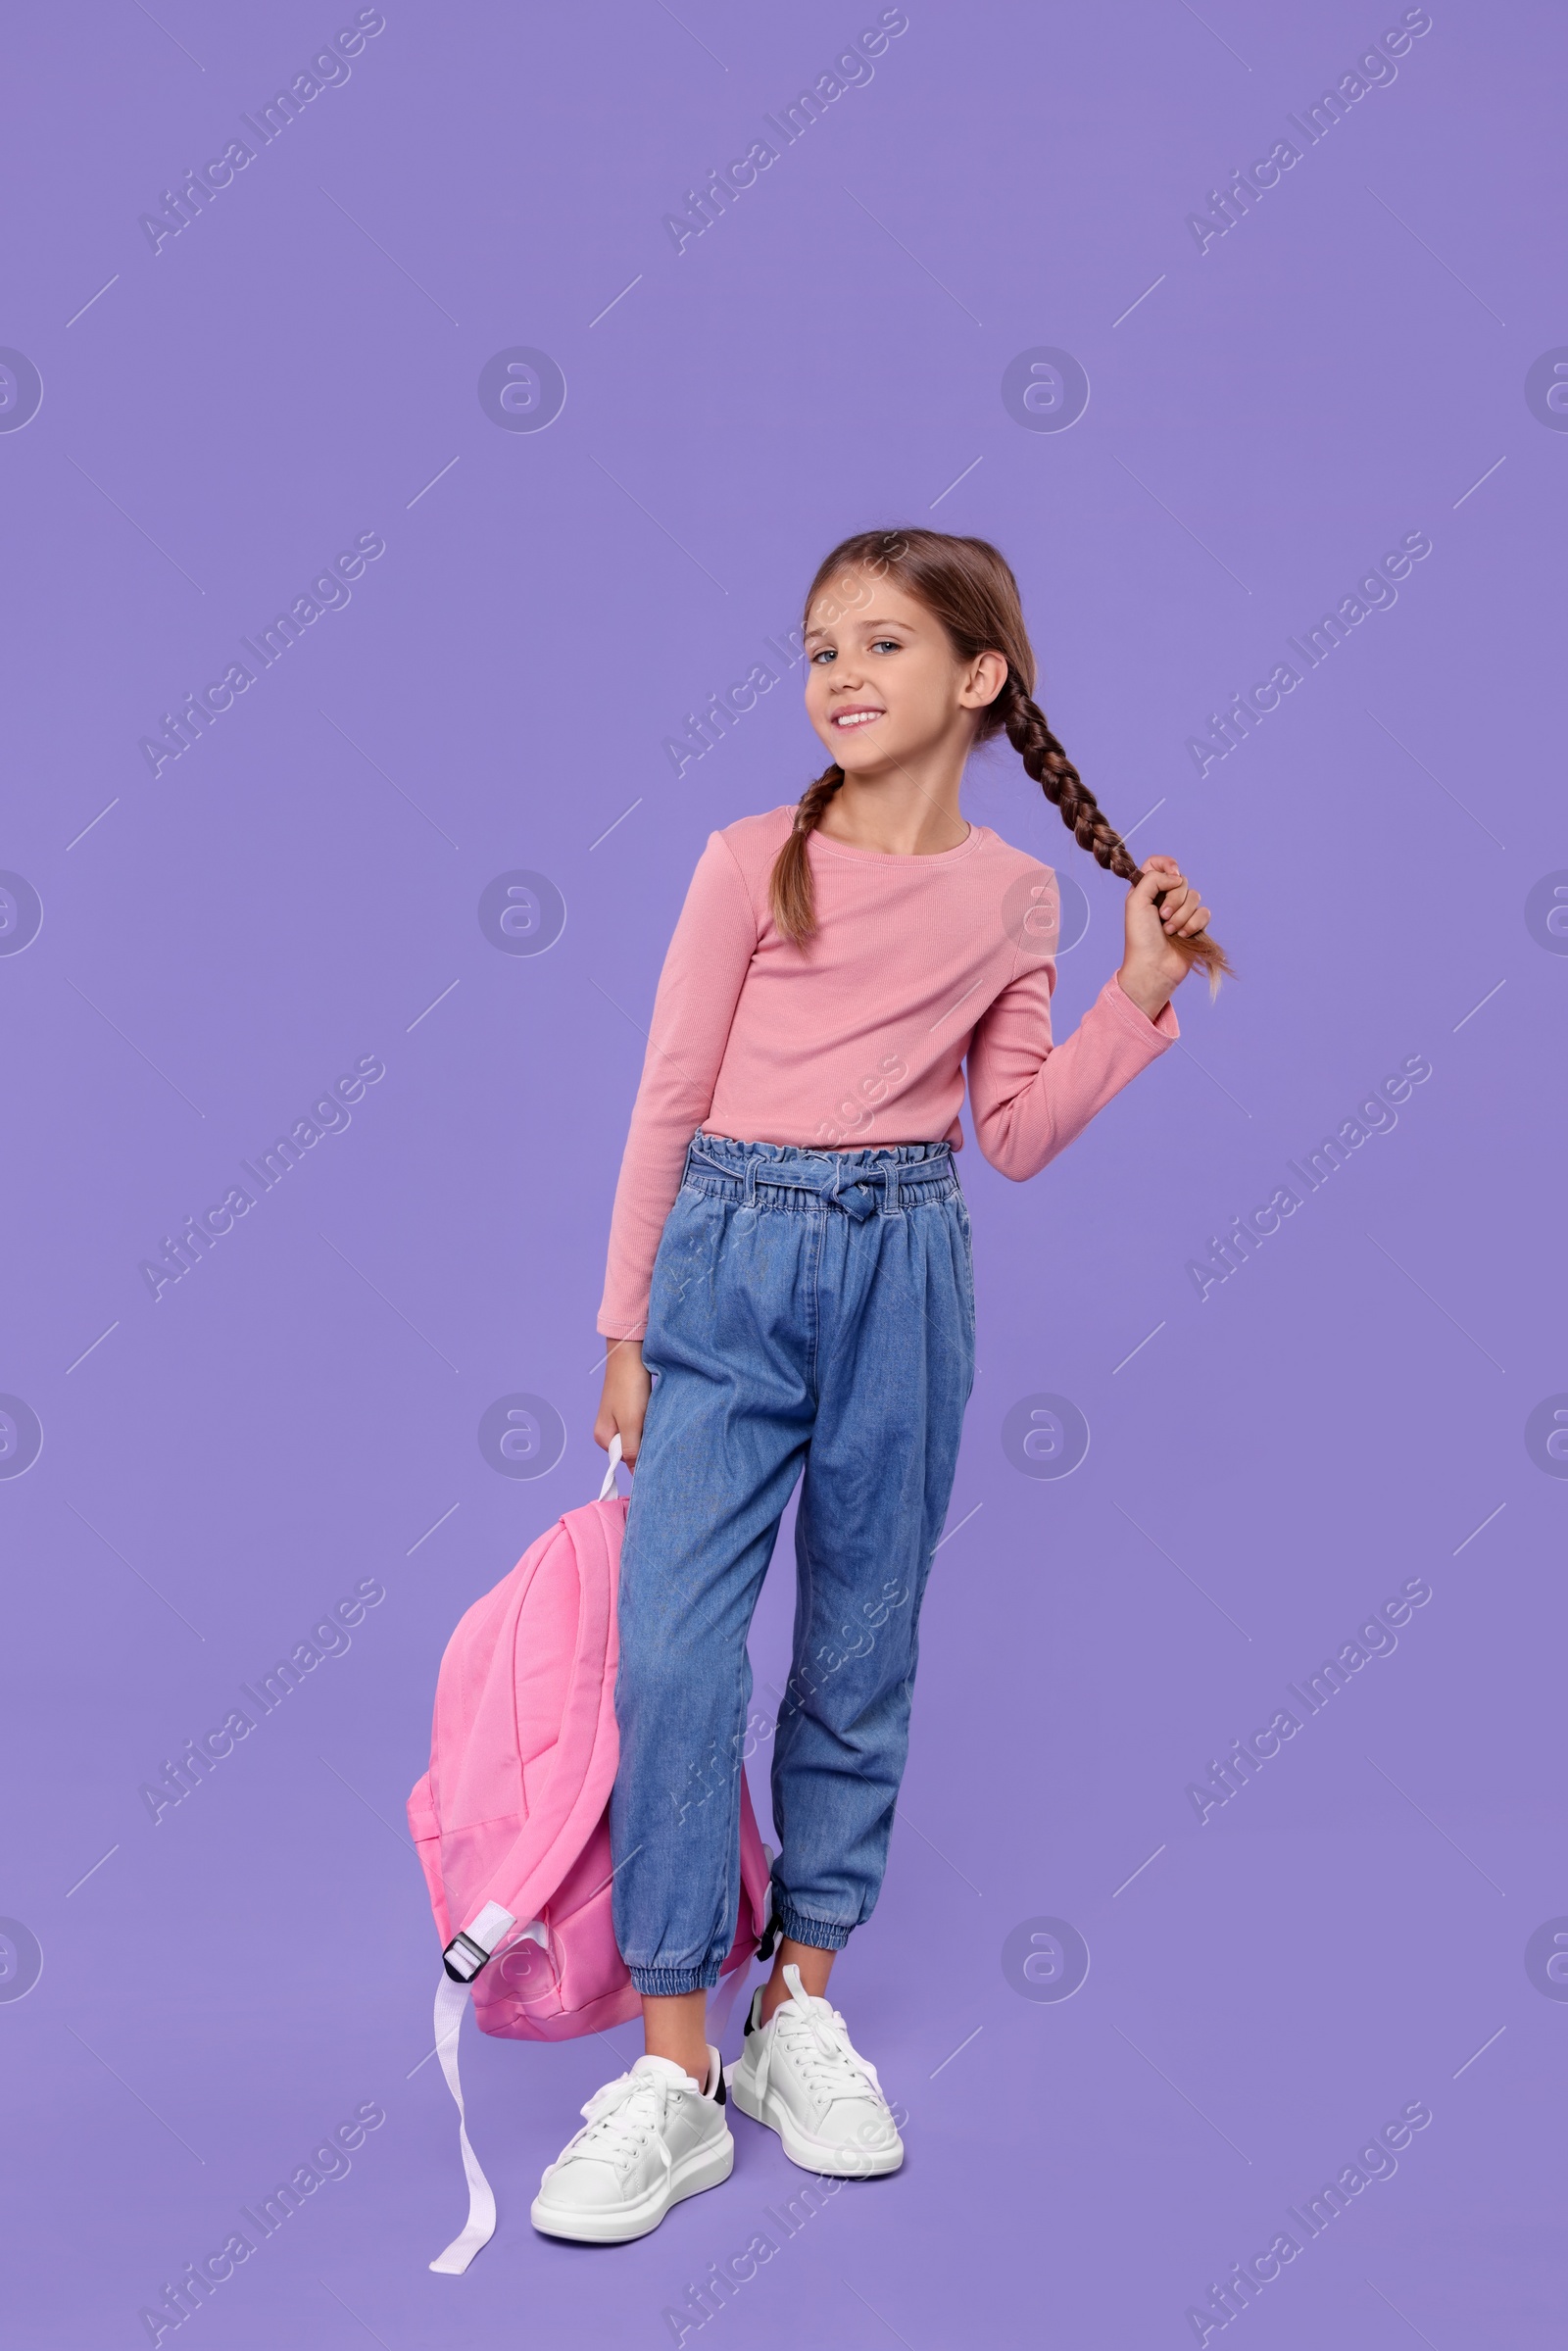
(790,1295)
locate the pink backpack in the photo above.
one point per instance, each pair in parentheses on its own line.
(512,1820)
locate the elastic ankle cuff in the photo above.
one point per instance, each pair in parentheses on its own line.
(820,1935)
(669,1983)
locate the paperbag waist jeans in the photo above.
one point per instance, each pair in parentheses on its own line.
(812,1317)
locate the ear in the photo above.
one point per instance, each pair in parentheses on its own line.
(983,681)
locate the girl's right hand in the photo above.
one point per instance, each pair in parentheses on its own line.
(624,1402)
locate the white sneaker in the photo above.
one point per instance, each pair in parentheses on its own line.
(801,2074)
(650,2137)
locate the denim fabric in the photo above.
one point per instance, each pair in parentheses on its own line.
(812,1311)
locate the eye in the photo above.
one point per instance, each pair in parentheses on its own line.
(824,654)
(889,644)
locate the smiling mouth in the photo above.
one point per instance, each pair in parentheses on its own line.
(845,720)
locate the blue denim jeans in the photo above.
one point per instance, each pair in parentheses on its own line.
(812,1311)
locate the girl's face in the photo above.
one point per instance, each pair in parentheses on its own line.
(883,685)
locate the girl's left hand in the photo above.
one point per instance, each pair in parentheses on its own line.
(1154,964)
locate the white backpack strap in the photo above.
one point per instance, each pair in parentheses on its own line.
(608,1486)
(466,1955)
(451,1999)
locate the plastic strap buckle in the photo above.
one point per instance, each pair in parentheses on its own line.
(467,1953)
(463,1958)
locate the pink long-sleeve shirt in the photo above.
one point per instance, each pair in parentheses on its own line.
(859,1037)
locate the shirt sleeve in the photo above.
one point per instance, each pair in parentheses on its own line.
(1029,1098)
(699,988)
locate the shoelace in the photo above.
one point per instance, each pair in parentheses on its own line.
(819,2044)
(621,2117)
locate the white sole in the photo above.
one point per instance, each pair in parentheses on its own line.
(810,2154)
(705,2167)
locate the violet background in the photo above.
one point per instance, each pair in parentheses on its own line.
(301,889)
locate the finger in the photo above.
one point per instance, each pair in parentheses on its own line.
(1180,898)
(1194,923)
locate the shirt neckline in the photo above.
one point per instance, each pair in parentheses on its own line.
(881,857)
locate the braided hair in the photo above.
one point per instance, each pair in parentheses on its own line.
(970,588)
